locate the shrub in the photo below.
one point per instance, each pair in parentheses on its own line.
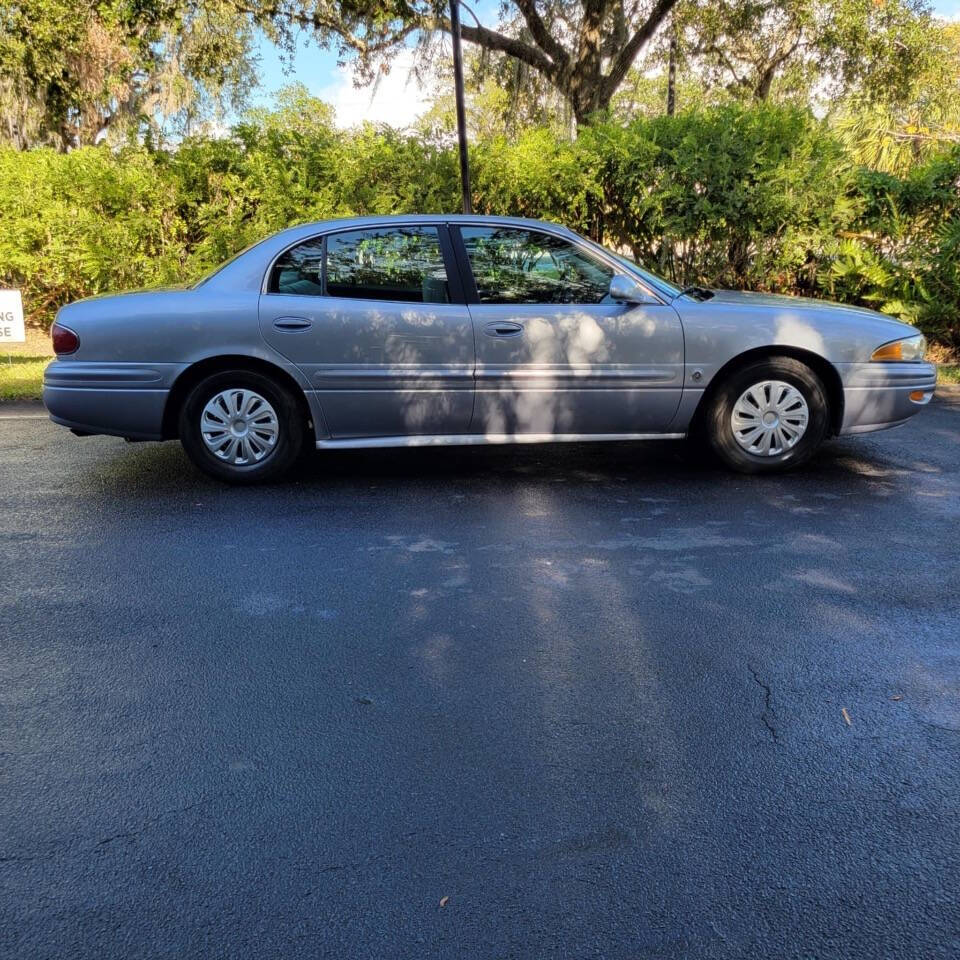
(755,197)
(87,222)
(905,257)
(731,196)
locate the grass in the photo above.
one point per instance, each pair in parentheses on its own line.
(21,366)
(948,373)
(21,378)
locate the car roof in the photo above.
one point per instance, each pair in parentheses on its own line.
(371,220)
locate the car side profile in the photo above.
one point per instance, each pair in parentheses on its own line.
(432,330)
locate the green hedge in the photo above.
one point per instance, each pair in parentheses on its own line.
(753,197)
(76,224)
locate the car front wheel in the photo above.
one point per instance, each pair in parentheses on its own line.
(241,427)
(769,416)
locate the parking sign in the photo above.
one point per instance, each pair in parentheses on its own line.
(11,317)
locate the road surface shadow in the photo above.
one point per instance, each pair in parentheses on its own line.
(163,469)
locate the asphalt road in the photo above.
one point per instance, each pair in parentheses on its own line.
(594,695)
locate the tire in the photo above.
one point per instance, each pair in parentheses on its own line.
(768,417)
(262,431)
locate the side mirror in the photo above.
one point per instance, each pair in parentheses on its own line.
(625,289)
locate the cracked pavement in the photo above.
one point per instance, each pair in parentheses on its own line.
(592,694)
(768,711)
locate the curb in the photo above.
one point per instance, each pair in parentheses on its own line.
(22,410)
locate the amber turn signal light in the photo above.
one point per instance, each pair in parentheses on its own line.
(889,351)
(909,349)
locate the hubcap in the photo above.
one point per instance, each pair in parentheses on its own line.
(239,427)
(769,418)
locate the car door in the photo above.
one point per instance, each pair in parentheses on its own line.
(375,318)
(555,354)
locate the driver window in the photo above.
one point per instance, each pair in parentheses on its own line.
(513,265)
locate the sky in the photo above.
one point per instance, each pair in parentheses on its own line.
(398,100)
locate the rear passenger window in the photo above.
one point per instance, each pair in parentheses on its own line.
(299,271)
(384,263)
(387,263)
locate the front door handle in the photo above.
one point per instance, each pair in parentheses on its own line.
(291,323)
(503,328)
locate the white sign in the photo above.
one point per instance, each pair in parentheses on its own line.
(11,317)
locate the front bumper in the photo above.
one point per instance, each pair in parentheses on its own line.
(120,399)
(881,395)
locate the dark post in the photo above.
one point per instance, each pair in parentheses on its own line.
(672,78)
(461,109)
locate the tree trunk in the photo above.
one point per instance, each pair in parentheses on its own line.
(672,79)
(762,90)
(577,74)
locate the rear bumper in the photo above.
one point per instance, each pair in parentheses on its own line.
(882,395)
(123,399)
(137,414)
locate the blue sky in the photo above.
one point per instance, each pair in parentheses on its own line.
(398,100)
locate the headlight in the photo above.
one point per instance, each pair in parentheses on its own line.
(906,350)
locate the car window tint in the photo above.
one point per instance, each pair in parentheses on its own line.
(512,265)
(388,263)
(299,270)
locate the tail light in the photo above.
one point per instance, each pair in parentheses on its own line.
(64,340)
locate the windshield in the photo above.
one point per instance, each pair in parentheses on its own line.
(662,286)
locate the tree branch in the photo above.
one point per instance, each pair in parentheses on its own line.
(480,35)
(491,40)
(762,90)
(716,51)
(541,35)
(624,60)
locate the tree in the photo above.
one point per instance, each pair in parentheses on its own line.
(645,90)
(504,97)
(582,48)
(71,74)
(807,47)
(894,136)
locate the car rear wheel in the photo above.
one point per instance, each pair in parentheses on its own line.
(241,427)
(769,416)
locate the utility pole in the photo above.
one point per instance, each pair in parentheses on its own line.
(461,109)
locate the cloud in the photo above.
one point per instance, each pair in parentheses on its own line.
(398,99)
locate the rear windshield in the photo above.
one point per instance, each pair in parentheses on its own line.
(226,263)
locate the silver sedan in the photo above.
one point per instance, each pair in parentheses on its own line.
(443,330)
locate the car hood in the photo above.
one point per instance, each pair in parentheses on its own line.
(825,308)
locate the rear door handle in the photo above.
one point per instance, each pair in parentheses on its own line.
(291,323)
(503,328)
